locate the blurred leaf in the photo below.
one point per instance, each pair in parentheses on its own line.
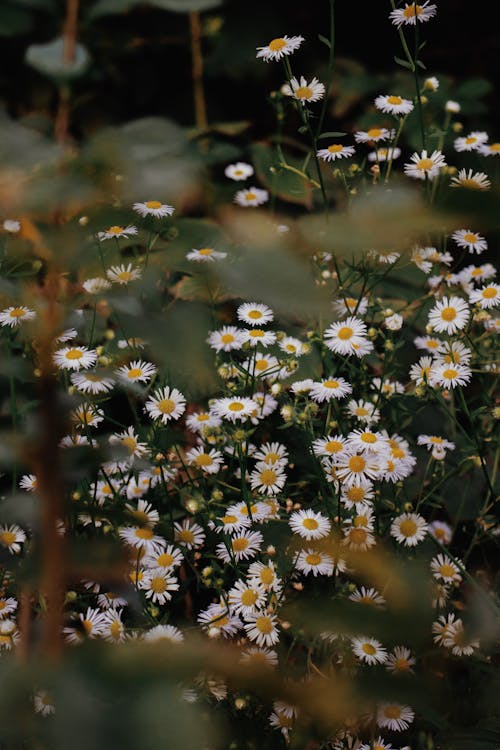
(200,288)
(110,7)
(283,183)
(14,20)
(49,60)
(473,88)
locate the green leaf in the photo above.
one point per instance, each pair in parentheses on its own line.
(403,63)
(14,21)
(421,64)
(283,183)
(474,88)
(332,134)
(111,7)
(302,129)
(185,6)
(325,40)
(48,59)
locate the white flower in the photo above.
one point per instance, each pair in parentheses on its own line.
(445,570)
(355,468)
(256,336)
(411,13)
(368,650)
(373,135)
(75,357)
(245,598)
(384,154)
(117,231)
(261,628)
(452,106)
(450,375)
(226,339)
(142,537)
(251,197)
(165,404)
(409,529)
(11,537)
(422,165)
(346,337)
(471,142)
(209,462)
(242,546)
(136,372)
(205,255)
(189,534)
(254,313)
(394,322)
(235,408)
(431,441)
(400,661)
(449,315)
(472,241)
(431,84)
(489,149)
(304,91)
(123,274)
(14,316)
(325,390)
(267,479)
(200,421)
(239,171)
(11,225)
(154,208)
(329,445)
(279,47)
(157,584)
(92,382)
(467,178)
(486,296)
(335,151)
(394,716)
(441,531)
(167,633)
(393,105)
(88,625)
(309,524)
(315,562)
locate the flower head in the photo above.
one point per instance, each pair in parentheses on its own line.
(279,47)
(304,91)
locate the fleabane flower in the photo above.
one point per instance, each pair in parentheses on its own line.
(449,375)
(467,178)
(373,135)
(157,585)
(239,171)
(449,315)
(472,241)
(489,149)
(137,371)
(14,316)
(445,570)
(471,142)
(244,598)
(384,154)
(242,546)
(279,47)
(355,468)
(226,339)
(261,628)
(254,313)
(411,13)
(165,404)
(424,166)
(304,91)
(346,336)
(409,529)
(251,197)
(394,716)
(400,661)
(267,479)
(11,537)
(205,255)
(123,274)
(309,524)
(393,105)
(154,208)
(316,562)
(368,650)
(208,461)
(335,151)
(75,358)
(487,296)
(117,232)
(234,409)
(329,388)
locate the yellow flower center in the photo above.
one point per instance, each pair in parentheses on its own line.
(425,164)
(249,597)
(235,406)
(261,365)
(447,570)
(158,585)
(166,405)
(472,238)
(356,494)
(394,100)
(401,665)
(165,560)
(333,446)
(7,538)
(257,333)
(470,182)
(264,624)
(87,626)
(144,533)
(304,92)
(356,463)
(495,147)
(74,354)
(115,629)
(17,312)
(448,314)
(313,559)
(412,10)
(392,712)
(368,437)
(450,373)
(255,314)
(374,132)
(153,204)
(266,575)
(335,148)
(240,544)
(134,372)
(369,649)
(276,45)
(360,521)
(229,519)
(331,384)
(227,338)
(250,196)
(489,293)
(361,411)
(186,536)
(268,477)
(310,523)
(436,440)
(408,527)
(130,443)
(345,333)
(115,230)
(2,605)
(358,535)
(205,251)
(271,458)
(203,459)
(140,516)
(470,139)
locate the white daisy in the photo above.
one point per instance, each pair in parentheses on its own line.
(487,296)
(384,154)
(205,255)
(251,197)
(357,496)
(96,285)
(113,629)
(165,404)
(262,628)
(239,171)
(329,445)
(235,408)
(350,305)
(330,388)
(209,462)
(346,336)
(92,382)
(441,531)
(467,178)
(309,524)
(245,598)
(450,375)
(11,225)
(202,420)
(116,232)
(367,440)
(393,104)
(157,585)
(471,142)
(154,208)
(226,339)
(472,241)
(218,620)
(489,149)
(368,650)
(424,166)
(12,537)
(409,529)
(254,313)
(242,546)
(142,537)
(421,371)
(168,559)
(136,372)
(400,661)
(445,570)
(363,411)
(335,151)
(14,316)
(449,315)
(370,597)
(315,562)
(373,135)
(279,47)
(394,716)
(88,625)
(256,336)
(164,633)
(304,91)
(431,84)
(355,468)
(411,13)
(267,479)
(123,274)
(189,534)
(75,357)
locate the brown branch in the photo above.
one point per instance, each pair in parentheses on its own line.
(200,108)
(61,124)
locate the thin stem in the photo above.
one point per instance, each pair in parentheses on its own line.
(200,107)
(331,57)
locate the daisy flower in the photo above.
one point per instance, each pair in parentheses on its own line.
(218,620)
(267,479)
(208,463)
(259,657)
(304,91)
(441,531)
(226,339)
(123,274)
(358,539)
(261,628)
(117,232)
(239,171)
(309,524)
(373,135)
(357,496)
(235,408)
(167,559)
(378,744)
(244,598)
(423,166)
(489,149)
(189,534)
(244,545)
(335,151)
(75,357)
(472,241)
(157,585)
(346,336)
(293,346)
(356,468)
(154,208)
(325,390)
(456,640)
(113,628)
(205,255)
(7,606)
(142,537)
(442,627)
(487,296)
(363,411)
(165,404)
(255,336)
(368,650)
(411,13)
(421,371)
(394,716)
(92,382)
(201,420)
(445,570)
(14,316)
(164,633)
(329,445)
(367,440)
(136,372)
(449,315)
(431,84)
(11,537)
(428,343)
(393,105)
(431,441)
(88,625)
(471,142)
(254,313)
(384,154)
(477,273)
(279,47)
(264,575)
(467,178)
(43,703)
(450,375)
(371,597)
(348,305)
(409,529)
(86,415)
(96,285)
(400,660)
(251,197)
(315,562)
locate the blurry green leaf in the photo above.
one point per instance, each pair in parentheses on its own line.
(473,88)
(110,7)
(14,20)
(324,40)
(185,6)
(332,134)
(49,60)
(421,64)
(285,184)
(403,63)
(200,288)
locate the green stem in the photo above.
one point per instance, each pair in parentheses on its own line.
(331,57)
